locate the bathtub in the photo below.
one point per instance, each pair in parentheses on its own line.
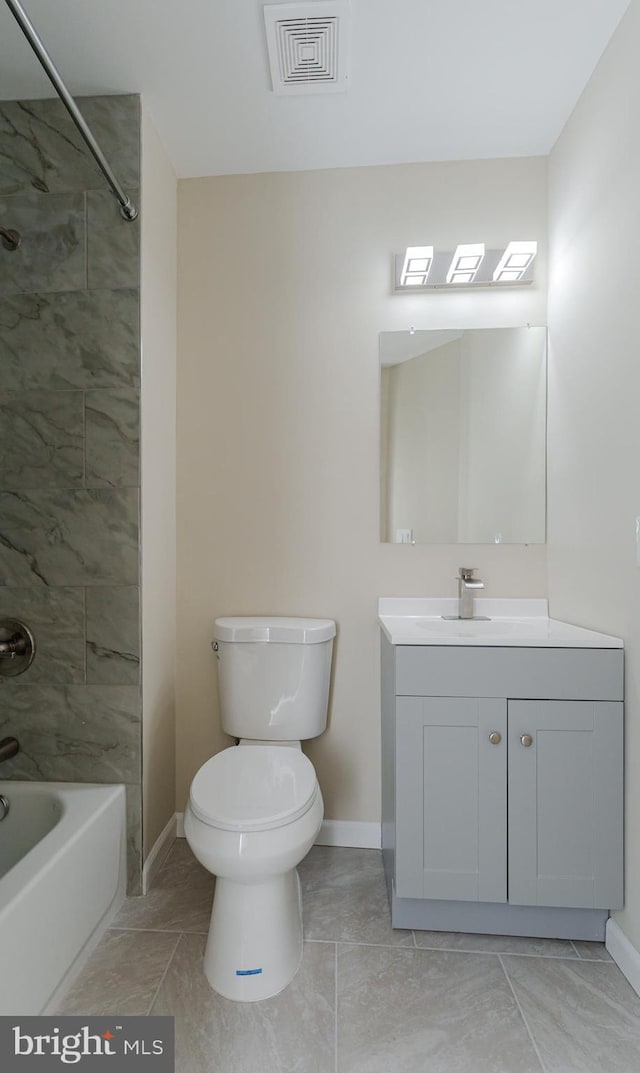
(62,880)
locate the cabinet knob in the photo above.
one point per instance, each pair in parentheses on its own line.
(526,740)
(495,737)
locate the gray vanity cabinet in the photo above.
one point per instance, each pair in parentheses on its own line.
(502,813)
(451,823)
(565,803)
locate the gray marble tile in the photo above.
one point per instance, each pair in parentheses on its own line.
(344,897)
(113,635)
(420,1010)
(72,733)
(113,243)
(56,619)
(591,951)
(583,1016)
(494,944)
(41,148)
(52,255)
(41,440)
(180,899)
(134,838)
(81,339)
(112,422)
(69,537)
(115,122)
(122,975)
(290,1033)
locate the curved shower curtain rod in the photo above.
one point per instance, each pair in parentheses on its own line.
(127,208)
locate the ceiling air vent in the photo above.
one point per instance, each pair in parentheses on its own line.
(308,46)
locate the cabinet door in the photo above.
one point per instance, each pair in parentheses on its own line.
(565,804)
(451,798)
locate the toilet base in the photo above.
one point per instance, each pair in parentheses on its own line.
(254,947)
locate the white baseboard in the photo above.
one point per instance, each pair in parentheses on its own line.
(332,833)
(624,953)
(159,852)
(350,833)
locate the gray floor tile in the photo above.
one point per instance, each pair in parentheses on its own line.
(291,1033)
(344,898)
(420,1011)
(494,944)
(179,901)
(583,1016)
(591,951)
(122,975)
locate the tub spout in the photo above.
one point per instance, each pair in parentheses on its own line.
(8,748)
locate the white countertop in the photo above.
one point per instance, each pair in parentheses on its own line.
(511,623)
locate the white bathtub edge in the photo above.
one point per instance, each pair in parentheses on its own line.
(92,942)
(49,925)
(101,927)
(159,853)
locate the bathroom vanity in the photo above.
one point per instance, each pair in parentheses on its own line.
(502,770)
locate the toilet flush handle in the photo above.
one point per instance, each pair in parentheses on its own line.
(214,646)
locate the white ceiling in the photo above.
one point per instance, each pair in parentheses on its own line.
(429,79)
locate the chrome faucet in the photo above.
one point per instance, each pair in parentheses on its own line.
(466,585)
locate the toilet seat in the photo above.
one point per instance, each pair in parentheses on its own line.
(253,788)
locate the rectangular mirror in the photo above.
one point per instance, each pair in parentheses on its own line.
(463,436)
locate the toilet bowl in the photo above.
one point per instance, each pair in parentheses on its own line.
(254,812)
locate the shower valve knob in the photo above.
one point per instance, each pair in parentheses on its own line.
(17,647)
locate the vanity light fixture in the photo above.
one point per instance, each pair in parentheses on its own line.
(416,267)
(515,261)
(473,265)
(466,262)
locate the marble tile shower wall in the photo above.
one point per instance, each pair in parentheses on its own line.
(69,447)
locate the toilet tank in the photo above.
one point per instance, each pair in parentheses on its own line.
(273,676)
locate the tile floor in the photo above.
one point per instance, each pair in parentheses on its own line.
(367,999)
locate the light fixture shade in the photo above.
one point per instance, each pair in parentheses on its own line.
(473,265)
(416,266)
(515,261)
(465,263)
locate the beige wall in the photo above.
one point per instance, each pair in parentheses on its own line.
(158,327)
(594,386)
(284,284)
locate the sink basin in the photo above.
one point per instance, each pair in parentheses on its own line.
(496,627)
(523,623)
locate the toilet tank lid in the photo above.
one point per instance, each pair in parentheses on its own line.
(293,631)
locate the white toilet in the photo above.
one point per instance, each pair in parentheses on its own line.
(255,810)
